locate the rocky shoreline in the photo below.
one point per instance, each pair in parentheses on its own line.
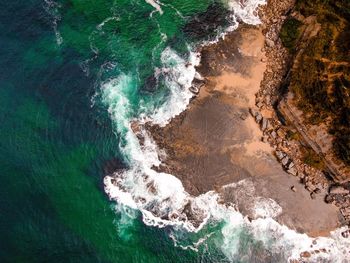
(187,147)
(287,151)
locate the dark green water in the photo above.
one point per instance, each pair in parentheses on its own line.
(73,75)
(54,145)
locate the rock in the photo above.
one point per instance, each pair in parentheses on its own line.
(281,133)
(310,187)
(264,124)
(194,89)
(305,254)
(263,60)
(270,43)
(317,191)
(253,112)
(285,160)
(338,190)
(280,155)
(346,234)
(259,104)
(268,99)
(313,195)
(293,171)
(258,117)
(345,212)
(150,85)
(273,134)
(293,188)
(264,139)
(244,116)
(291,165)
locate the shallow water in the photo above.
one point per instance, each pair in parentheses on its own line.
(74,74)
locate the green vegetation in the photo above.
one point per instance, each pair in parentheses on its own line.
(321,79)
(310,157)
(292,135)
(290,33)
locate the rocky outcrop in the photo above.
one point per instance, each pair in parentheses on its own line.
(285,132)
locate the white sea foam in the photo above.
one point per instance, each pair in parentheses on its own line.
(161,197)
(246,10)
(178,74)
(52,8)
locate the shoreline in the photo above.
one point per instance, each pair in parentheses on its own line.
(187,149)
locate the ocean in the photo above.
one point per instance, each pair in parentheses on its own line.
(75,76)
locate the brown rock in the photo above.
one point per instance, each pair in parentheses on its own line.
(346,234)
(270,43)
(313,195)
(338,190)
(305,254)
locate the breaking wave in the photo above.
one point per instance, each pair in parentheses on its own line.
(161,197)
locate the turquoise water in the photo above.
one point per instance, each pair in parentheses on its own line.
(74,75)
(55,143)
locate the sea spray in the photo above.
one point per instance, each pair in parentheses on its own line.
(161,197)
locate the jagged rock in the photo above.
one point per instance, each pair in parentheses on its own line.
(317,191)
(264,124)
(313,195)
(329,199)
(293,188)
(244,116)
(291,165)
(194,89)
(346,234)
(259,104)
(258,117)
(280,155)
(310,187)
(273,134)
(345,211)
(270,43)
(305,254)
(338,190)
(281,133)
(293,171)
(285,160)
(253,112)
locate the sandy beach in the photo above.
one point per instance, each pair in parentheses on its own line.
(217,145)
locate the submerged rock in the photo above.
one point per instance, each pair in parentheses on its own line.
(346,234)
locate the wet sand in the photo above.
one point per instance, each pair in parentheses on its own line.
(216,143)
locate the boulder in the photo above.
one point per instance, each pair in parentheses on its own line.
(273,134)
(305,254)
(280,155)
(259,104)
(291,165)
(253,112)
(285,160)
(243,116)
(270,43)
(293,171)
(258,117)
(264,124)
(338,190)
(346,234)
(313,195)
